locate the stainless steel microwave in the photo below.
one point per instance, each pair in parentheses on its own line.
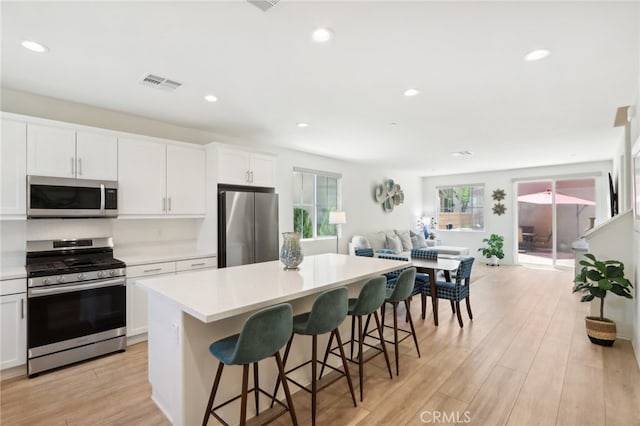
(55,197)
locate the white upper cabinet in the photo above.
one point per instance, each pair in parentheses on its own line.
(263,170)
(238,167)
(60,152)
(13,162)
(186,180)
(96,156)
(51,151)
(141,184)
(156,178)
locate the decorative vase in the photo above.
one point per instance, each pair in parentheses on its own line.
(601,331)
(493,261)
(291,252)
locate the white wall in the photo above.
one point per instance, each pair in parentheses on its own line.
(357,186)
(57,109)
(364,214)
(635,136)
(506,224)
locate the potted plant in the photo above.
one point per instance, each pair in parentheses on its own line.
(596,279)
(493,249)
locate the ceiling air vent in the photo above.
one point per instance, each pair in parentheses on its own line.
(263,5)
(158,82)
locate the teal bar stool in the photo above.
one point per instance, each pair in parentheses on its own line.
(262,336)
(370,299)
(401,293)
(328,312)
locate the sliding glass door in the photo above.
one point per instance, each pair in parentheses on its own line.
(552,216)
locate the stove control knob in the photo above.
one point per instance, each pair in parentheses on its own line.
(81,277)
(100,274)
(60,279)
(46,281)
(112,272)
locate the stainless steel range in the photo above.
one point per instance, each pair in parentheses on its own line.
(76,302)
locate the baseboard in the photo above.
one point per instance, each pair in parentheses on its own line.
(636,350)
(10,373)
(138,338)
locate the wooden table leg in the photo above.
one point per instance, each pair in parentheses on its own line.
(434,295)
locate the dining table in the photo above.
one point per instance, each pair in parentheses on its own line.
(431,267)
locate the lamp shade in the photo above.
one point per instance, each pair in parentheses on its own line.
(337,218)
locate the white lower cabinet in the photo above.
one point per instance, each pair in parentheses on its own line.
(137,297)
(13,323)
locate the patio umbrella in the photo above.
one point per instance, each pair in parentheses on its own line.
(544,197)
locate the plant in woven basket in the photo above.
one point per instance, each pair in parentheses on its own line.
(596,279)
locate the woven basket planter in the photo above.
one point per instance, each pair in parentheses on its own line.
(601,331)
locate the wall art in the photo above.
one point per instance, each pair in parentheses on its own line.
(389,194)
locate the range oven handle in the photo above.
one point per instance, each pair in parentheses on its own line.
(37,292)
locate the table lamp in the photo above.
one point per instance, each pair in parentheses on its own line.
(337,218)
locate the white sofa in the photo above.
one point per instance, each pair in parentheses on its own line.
(378,241)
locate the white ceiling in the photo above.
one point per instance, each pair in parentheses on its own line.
(477,92)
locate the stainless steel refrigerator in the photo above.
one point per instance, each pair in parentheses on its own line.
(247,227)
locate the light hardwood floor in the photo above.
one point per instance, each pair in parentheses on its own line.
(524,360)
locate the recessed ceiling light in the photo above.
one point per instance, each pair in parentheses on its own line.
(461,153)
(34,46)
(322,35)
(536,55)
(302,124)
(211,98)
(411,92)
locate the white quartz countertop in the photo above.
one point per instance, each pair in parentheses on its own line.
(212,295)
(140,254)
(12,272)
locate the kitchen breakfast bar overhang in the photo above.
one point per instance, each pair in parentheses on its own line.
(188,312)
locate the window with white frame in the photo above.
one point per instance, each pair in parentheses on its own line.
(315,194)
(461,208)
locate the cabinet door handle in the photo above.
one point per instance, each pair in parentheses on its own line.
(164,204)
(246,174)
(251,176)
(146,271)
(198,264)
(80,166)
(73,166)
(21,308)
(169,204)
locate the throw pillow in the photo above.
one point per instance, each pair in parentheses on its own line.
(422,242)
(414,242)
(360,242)
(394,243)
(405,238)
(376,240)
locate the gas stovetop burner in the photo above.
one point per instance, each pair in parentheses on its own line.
(68,257)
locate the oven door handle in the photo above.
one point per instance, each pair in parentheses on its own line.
(37,292)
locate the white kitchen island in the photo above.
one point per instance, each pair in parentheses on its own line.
(190,311)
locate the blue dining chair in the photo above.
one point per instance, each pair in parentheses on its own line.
(456,291)
(392,277)
(428,255)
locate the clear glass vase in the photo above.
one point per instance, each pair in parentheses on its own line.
(291,252)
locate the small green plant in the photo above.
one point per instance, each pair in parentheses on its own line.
(493,246)
(599,277)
